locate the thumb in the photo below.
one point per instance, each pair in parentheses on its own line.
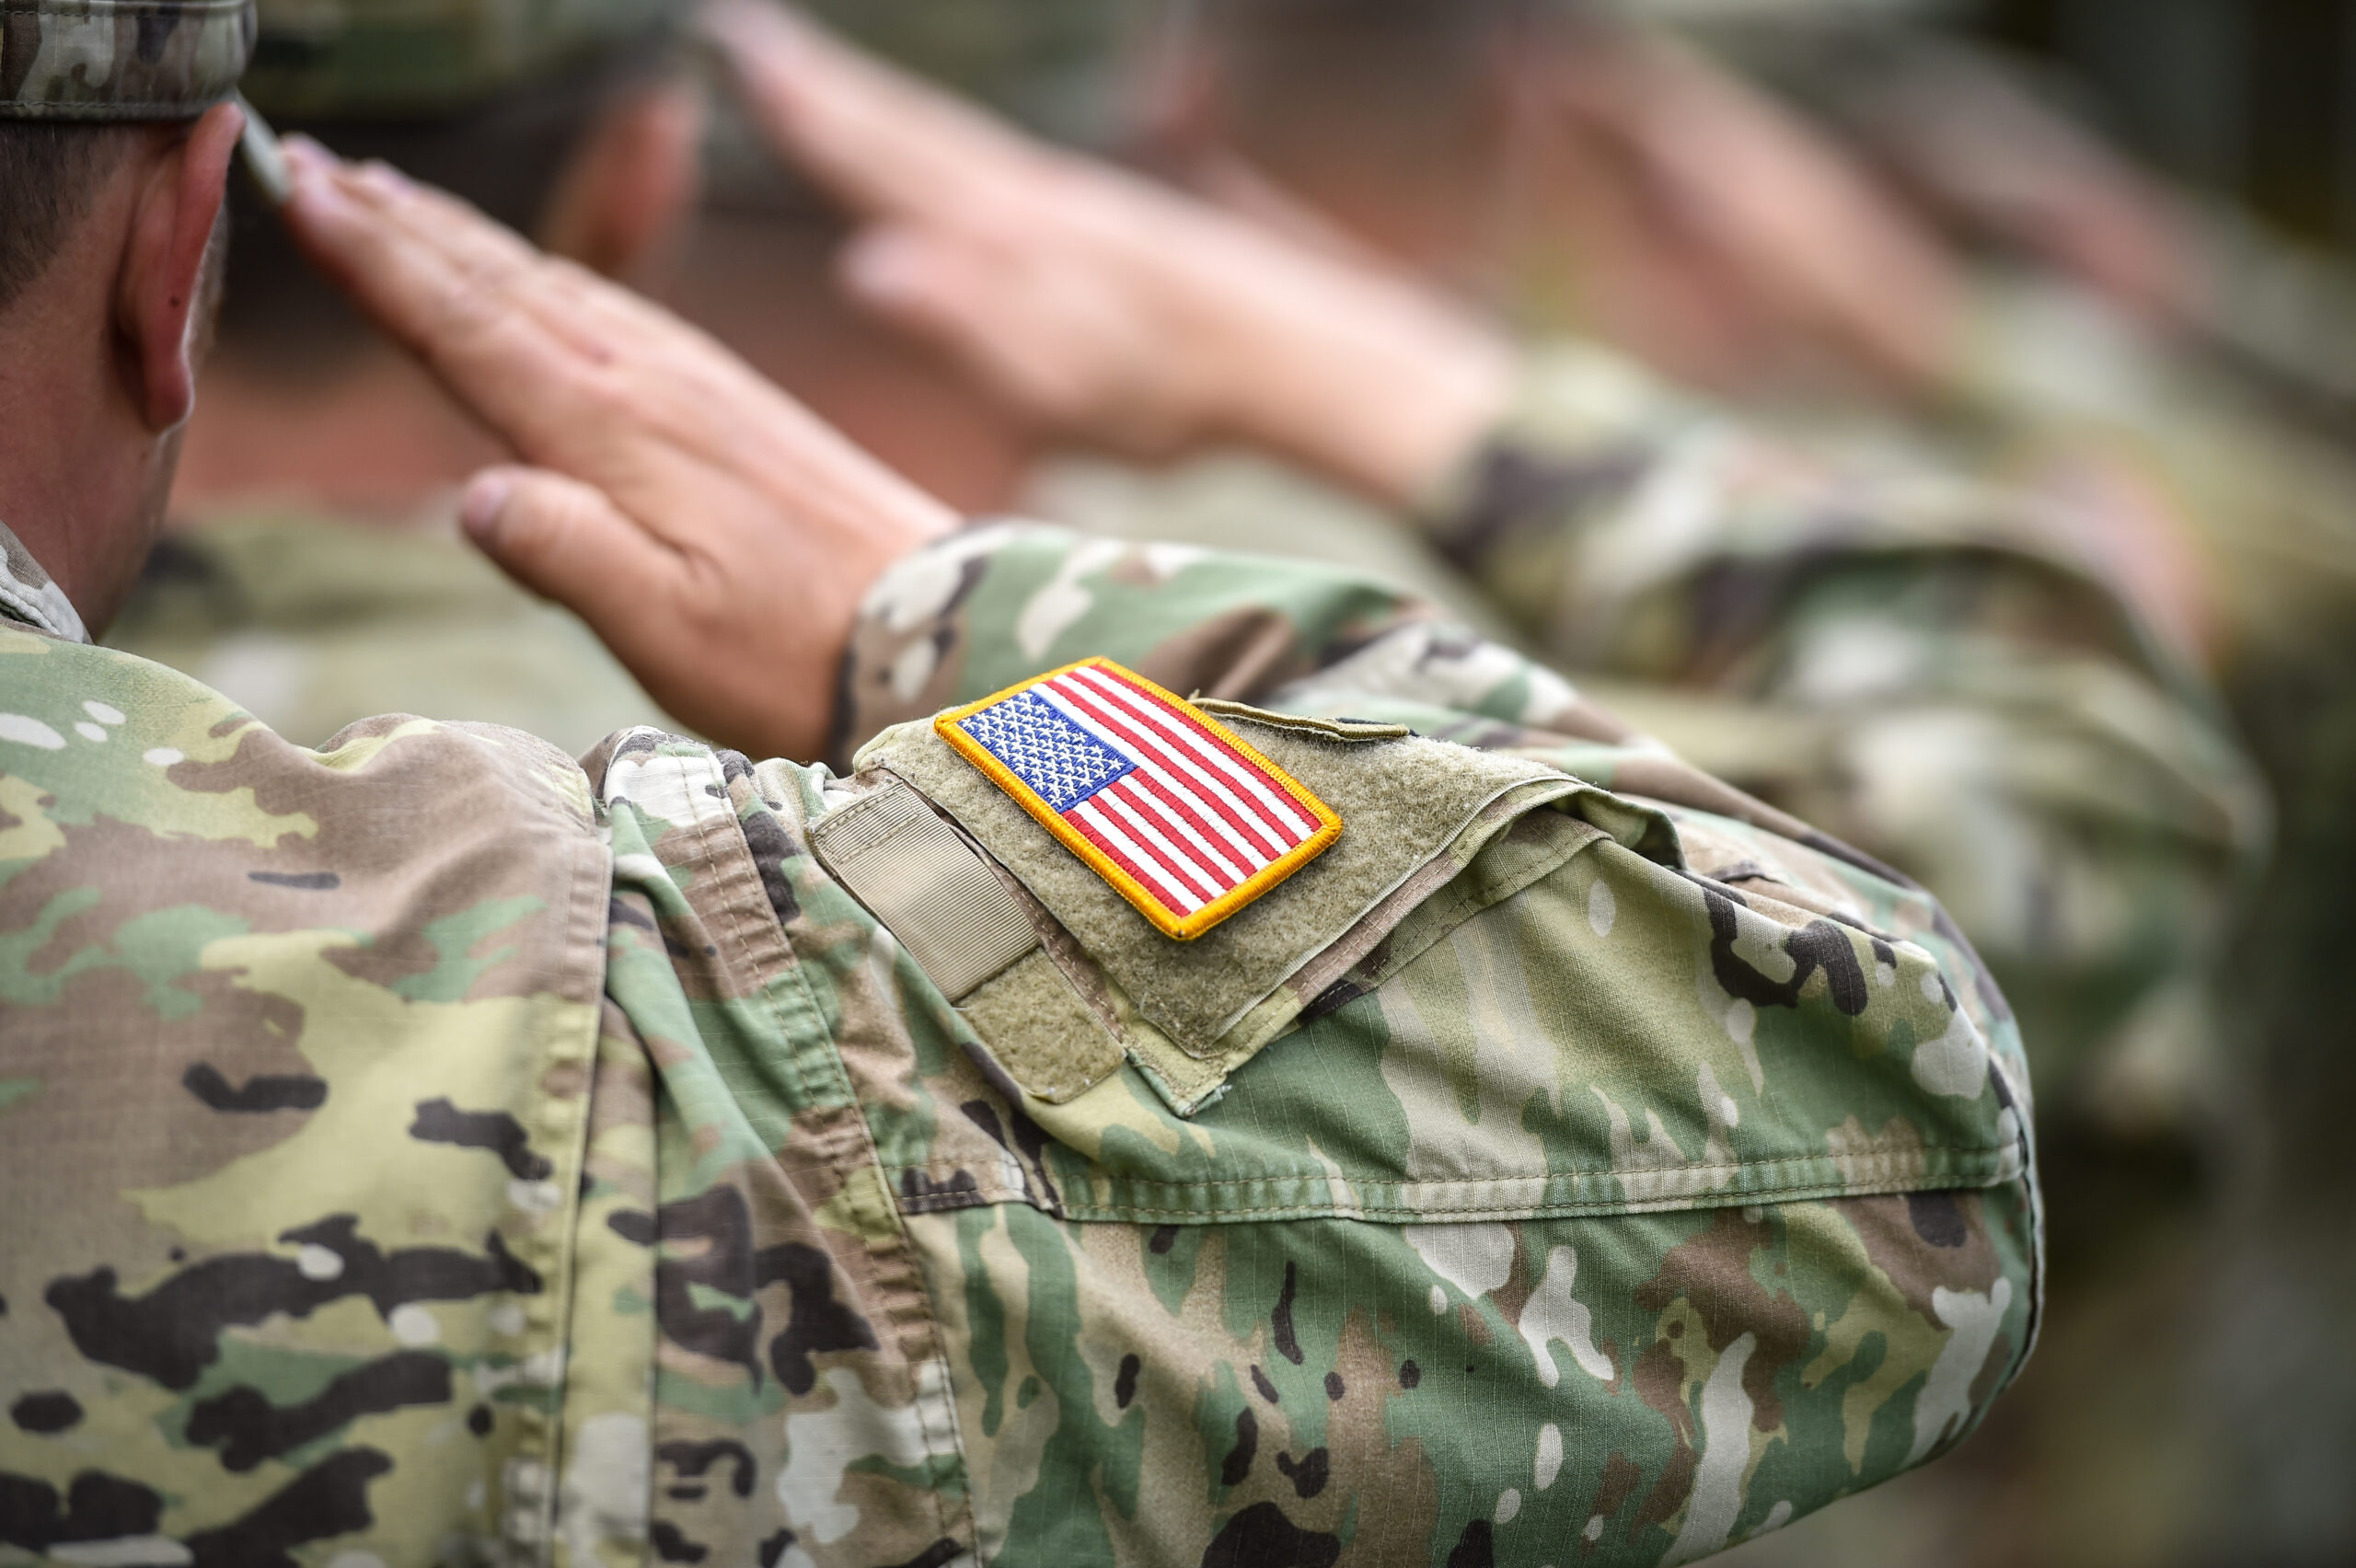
(567,541)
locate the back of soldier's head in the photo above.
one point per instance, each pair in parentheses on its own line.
(490,99)
(76,82)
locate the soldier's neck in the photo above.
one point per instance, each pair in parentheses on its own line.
(82,477)
(370,443)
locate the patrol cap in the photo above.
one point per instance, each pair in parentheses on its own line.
(120,60)
(393,60)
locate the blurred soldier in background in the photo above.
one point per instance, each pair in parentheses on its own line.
(2153,343)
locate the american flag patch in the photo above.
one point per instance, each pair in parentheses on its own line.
(1172,808)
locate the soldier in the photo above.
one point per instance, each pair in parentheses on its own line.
(431,1148)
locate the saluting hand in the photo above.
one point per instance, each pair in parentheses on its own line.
(1106,306)
(716,534)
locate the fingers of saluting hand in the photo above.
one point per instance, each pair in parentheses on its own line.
(535,347)
(566,541)
(696,517)
(444,282)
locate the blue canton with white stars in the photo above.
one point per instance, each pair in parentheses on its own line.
(1061,762)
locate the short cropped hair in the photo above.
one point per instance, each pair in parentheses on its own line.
(48,170)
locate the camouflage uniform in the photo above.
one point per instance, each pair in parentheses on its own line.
(2221,439)
(429,1149)
(1042,62)
(2243,1398)
(539,1161)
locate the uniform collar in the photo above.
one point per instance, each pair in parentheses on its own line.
(29,598)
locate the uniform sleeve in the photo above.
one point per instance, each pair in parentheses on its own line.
(998,604)
(1655,1172)
(1918,664)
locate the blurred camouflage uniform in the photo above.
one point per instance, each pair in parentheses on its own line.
(2226,429)
(311,621)
(1935,669)
(540,1161)
(1039,62)
(419,58)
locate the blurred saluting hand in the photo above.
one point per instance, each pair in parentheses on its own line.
(716,534)
(1102,304)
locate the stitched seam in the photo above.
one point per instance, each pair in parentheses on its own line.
(1467,902)
(1614,1171)
(1211,1052)
(896,1270)
(1391,1214)
(592,876)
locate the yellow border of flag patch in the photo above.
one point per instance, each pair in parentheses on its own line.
(1183,928)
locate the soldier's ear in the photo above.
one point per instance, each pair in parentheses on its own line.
(629,189)
(159,296)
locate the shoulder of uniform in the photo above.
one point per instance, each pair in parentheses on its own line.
(1214,866)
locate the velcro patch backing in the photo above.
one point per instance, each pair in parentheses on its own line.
(929,888)
(952,916)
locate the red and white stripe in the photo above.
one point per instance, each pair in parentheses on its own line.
(1196,818)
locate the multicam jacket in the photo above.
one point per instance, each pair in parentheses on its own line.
(1952,674)
(430,1149)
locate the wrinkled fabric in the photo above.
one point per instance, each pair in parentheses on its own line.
(1942,671)
(427,1148)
